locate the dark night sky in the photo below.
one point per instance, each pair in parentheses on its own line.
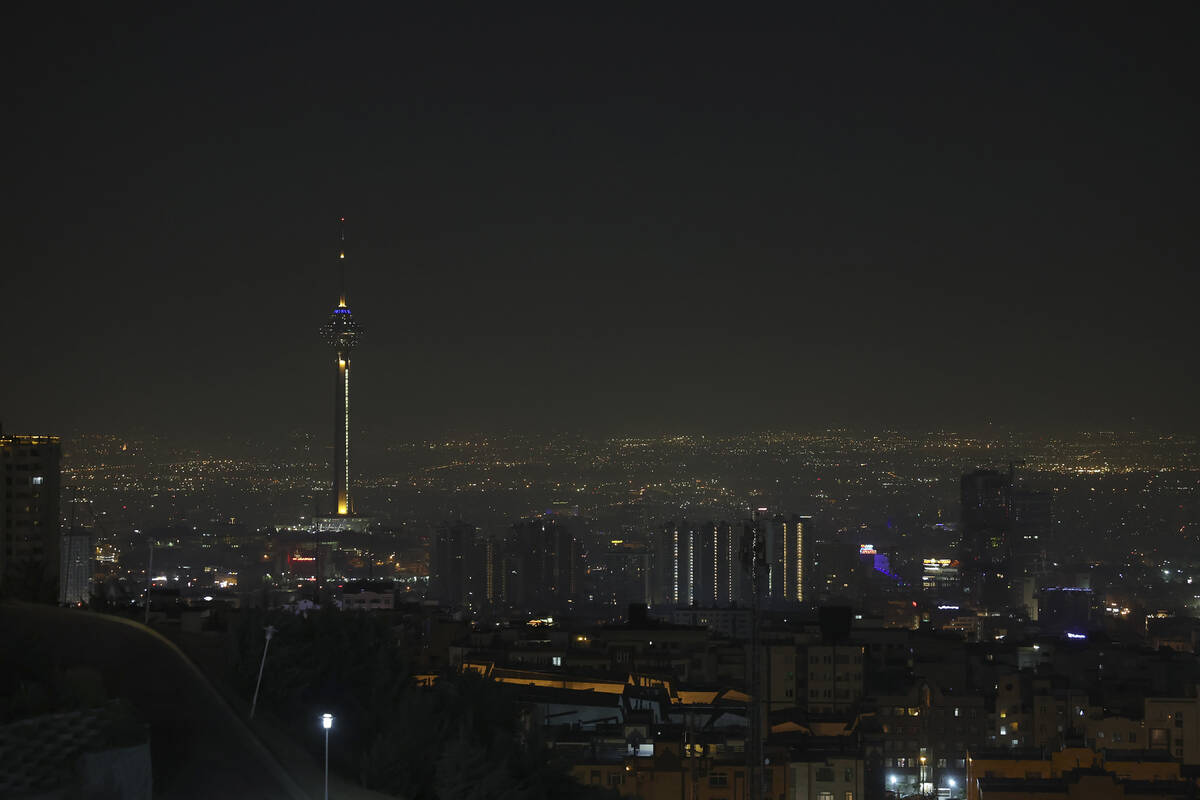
(891,214)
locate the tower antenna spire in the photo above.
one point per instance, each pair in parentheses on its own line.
(342,260)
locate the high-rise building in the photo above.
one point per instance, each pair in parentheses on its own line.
(787,543)
(717,578)
(544,562)
(939,575)
(29,517)
(341,333)
(703,565)
(985,535)
(1032,515)
(1004,530)
(697,565)
(75,567)
(454,568)
(621,573)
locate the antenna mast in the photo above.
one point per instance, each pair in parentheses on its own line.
(342,260)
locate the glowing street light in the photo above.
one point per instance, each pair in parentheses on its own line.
(327,723)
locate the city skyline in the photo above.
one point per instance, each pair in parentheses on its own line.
(708,223)
(755,403)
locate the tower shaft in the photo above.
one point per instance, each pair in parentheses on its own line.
(341,436)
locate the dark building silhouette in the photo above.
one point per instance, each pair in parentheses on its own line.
(1065,610)
(621,574)
(1004,530)
(985,523)
(543,562)
(1032,517)
(29,517)
(455,570)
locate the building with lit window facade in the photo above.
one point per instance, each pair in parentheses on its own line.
(702,565)
(787,548)
(75,570)
(29,517)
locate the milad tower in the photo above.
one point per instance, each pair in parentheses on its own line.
(341,332)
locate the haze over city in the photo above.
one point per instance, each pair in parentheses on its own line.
(709,221)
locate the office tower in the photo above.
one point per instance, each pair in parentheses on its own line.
(544,561)
(1031,515)
(939,576)
(1065,610)
(75,568)
(985,534)
(1004,533)
(29,518)
(453,567)
(621,574)
(985,527)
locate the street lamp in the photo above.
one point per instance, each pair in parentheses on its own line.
(327,723)
(270,629)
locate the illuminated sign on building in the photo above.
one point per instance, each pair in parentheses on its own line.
(866,550)
(939,574)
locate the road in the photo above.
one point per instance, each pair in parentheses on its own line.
(199,747)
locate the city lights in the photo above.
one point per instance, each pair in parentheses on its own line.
(755,403)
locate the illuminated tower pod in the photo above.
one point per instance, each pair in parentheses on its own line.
(341,332)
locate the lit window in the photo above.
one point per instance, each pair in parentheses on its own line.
(37,480)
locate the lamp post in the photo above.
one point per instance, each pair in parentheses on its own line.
(327,723)
(270,629)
